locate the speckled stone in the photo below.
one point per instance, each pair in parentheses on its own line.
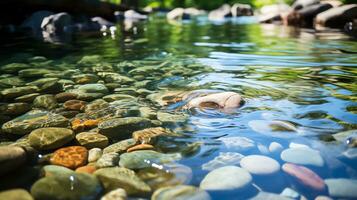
(50,138)
(120,147)
(94,154)
(121,128)
(75,105)
(148,135)
(92,140)
(46,101)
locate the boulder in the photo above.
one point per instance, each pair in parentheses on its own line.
(56,23)
(337,17)
(306,15)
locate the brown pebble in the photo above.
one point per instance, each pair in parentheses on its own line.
(75,105)
(90,169)
(71,157)
(65,96)
(140,147)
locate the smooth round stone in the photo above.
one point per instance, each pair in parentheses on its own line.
(117,194)
(92,140)
(12,93)
(55,170)
(238,143)
(15,194)
(65,96)
(91,59)
(52,87)
(288,192)
(28,98)
(85,78)
(260,165)
(320,197)
(230,178)
(180,192)
(11,158)
(89,169)
(94,154)
(46,101)
(147,112)
(149,134)
(108,160)
(14,67)
(67,186)
(11,82)
(15,108)
(50,138)
(302,156)
(34,73)
(273,128)
(275,147)
(93,88)
(166,175)
(118,177)
(75,105)
(223,159)
(115,97)
(169,118)
(217,100)
(119,147)
(140,147)
(305,176)
(269,196)
(121,128)
(342,188)
(71,157)
(146,158)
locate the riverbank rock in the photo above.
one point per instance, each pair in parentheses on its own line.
(117,177)
(230,177)
(260,165)
(50,138)
(121,128)
(11,158)
(180,192)
(342,188)
(222,160)
(217,100)
(92,140)
(305,176)
(145,158)
(337,17)
(71,157)
(15,194)
(302,156)
(120,147)
(33,120)
(67,186)
(117,194)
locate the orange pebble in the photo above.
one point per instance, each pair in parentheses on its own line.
(140,147)
(90,169)
(71,157)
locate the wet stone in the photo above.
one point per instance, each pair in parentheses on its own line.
(147,112)
(34,73)
(11,82)
(92,140)
(115,97)
(260,165)
(85,78)
(71,157)
(12,93)
(15,194)
(168,118)
(15,108)
(302,156)
(11,157)
(145,158)
(117,194)
(58,187)
(46,101)
(117,177)
(81,125)
(275,147)
(33,120)
(50,138)
(89,169)
(65,96)
(121,128)
(342,188)
(51,87)
(140,147)
(74,105)
(222,160)
(180,192)
(51,170)
(238,143)
(119,147)
(108,160)
(14,67)
(93,88)
(149,134)
(28,98)
(234,178)
(94,154)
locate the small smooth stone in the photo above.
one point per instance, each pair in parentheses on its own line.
(230,177)
(92,140)
(275,147)
(223,159)
(273,128)
(75,105)
(15,194)
(145,158)
(85,78)
(297,145)
(15,108)
(50,138)
(149,134)
(121,128)
(118,177)
(305,176)
(53,87)
(94,154)
(71,157)
(11,158)
(90,169)
(169,118)
(180,192)
(108,160)
(220,100)
(65,96)
(115,97)
(34,73)
(117,194)
(81,125)
(350,153)
(12,93)
(288,192)
(269,196)
(94,88)
(342,188)
(260,165)
(302,156)
(238,143)
(119,147)
(263,149)
(140,147)
(147,112)
(28,98)
(323,198)
(67,186)
(46,101)
(51,170)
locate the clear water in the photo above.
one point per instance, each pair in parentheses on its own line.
(299,76)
